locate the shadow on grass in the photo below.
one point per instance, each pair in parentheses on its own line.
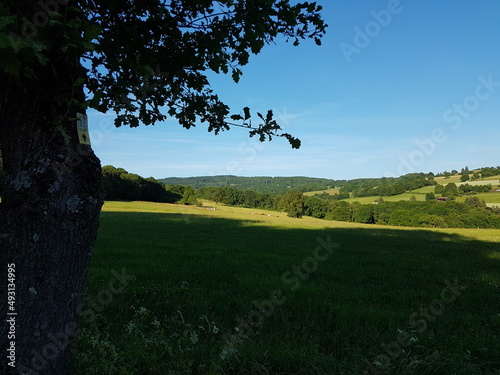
(343,292)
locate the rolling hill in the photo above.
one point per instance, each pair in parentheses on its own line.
(270,185)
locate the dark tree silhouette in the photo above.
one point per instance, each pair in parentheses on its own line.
(145,60)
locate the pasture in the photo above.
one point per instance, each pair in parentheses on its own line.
(327,191)
(491,198)
(247,291)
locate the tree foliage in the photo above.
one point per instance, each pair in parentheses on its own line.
(474,189)
(149,60)
(387,186)
(121,185)
(292,202)
(244,198)
(263,184)
(450,190)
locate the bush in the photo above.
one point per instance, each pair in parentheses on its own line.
(293,203)
(401,218)
(431,221)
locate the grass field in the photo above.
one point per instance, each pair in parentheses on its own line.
(487,197)
(493,199)
(491,181)
(492,178)
(328,191)
(241,291)
(446,180)
(393,198)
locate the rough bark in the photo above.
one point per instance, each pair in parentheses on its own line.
(48,218)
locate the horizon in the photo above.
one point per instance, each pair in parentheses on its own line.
(326,178)
(397,87)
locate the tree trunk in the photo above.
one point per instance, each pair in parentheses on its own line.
(48,219)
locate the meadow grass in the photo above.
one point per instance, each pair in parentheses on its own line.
(490,197)
(328,191)
(493,178)
(491,181)
(446,180)
(246,291)
(425,189)
(393,198)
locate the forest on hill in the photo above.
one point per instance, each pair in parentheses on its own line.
(269,185)
(279,185)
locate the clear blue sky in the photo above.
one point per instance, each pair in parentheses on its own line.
(397,87)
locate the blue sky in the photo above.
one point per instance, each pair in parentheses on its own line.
(397,87)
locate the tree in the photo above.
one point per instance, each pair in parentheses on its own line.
(365,214)
(340,211)
(430,196)
(315,207)
(450,190)
(475,202)
(431,221)
(292,203)
(142,60)
(189,196)
(401,218)
(464,176)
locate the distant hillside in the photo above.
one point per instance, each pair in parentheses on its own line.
(279,185)
(270,185)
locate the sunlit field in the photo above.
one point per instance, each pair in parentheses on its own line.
(248,291)
(491,198)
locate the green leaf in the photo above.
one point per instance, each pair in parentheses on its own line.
(236,117)
(6,20)
(92,32)
(4,41)
(236,75)
(79,81)
(269,116)
(295,142)
(246,110)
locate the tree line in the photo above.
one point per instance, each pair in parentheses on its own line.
(451,190)
(119,184)
(473,213)
(268,185)
(387,186)
(466,174)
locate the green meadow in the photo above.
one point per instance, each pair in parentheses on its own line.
(248,291)
(491,198)
(327,191)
